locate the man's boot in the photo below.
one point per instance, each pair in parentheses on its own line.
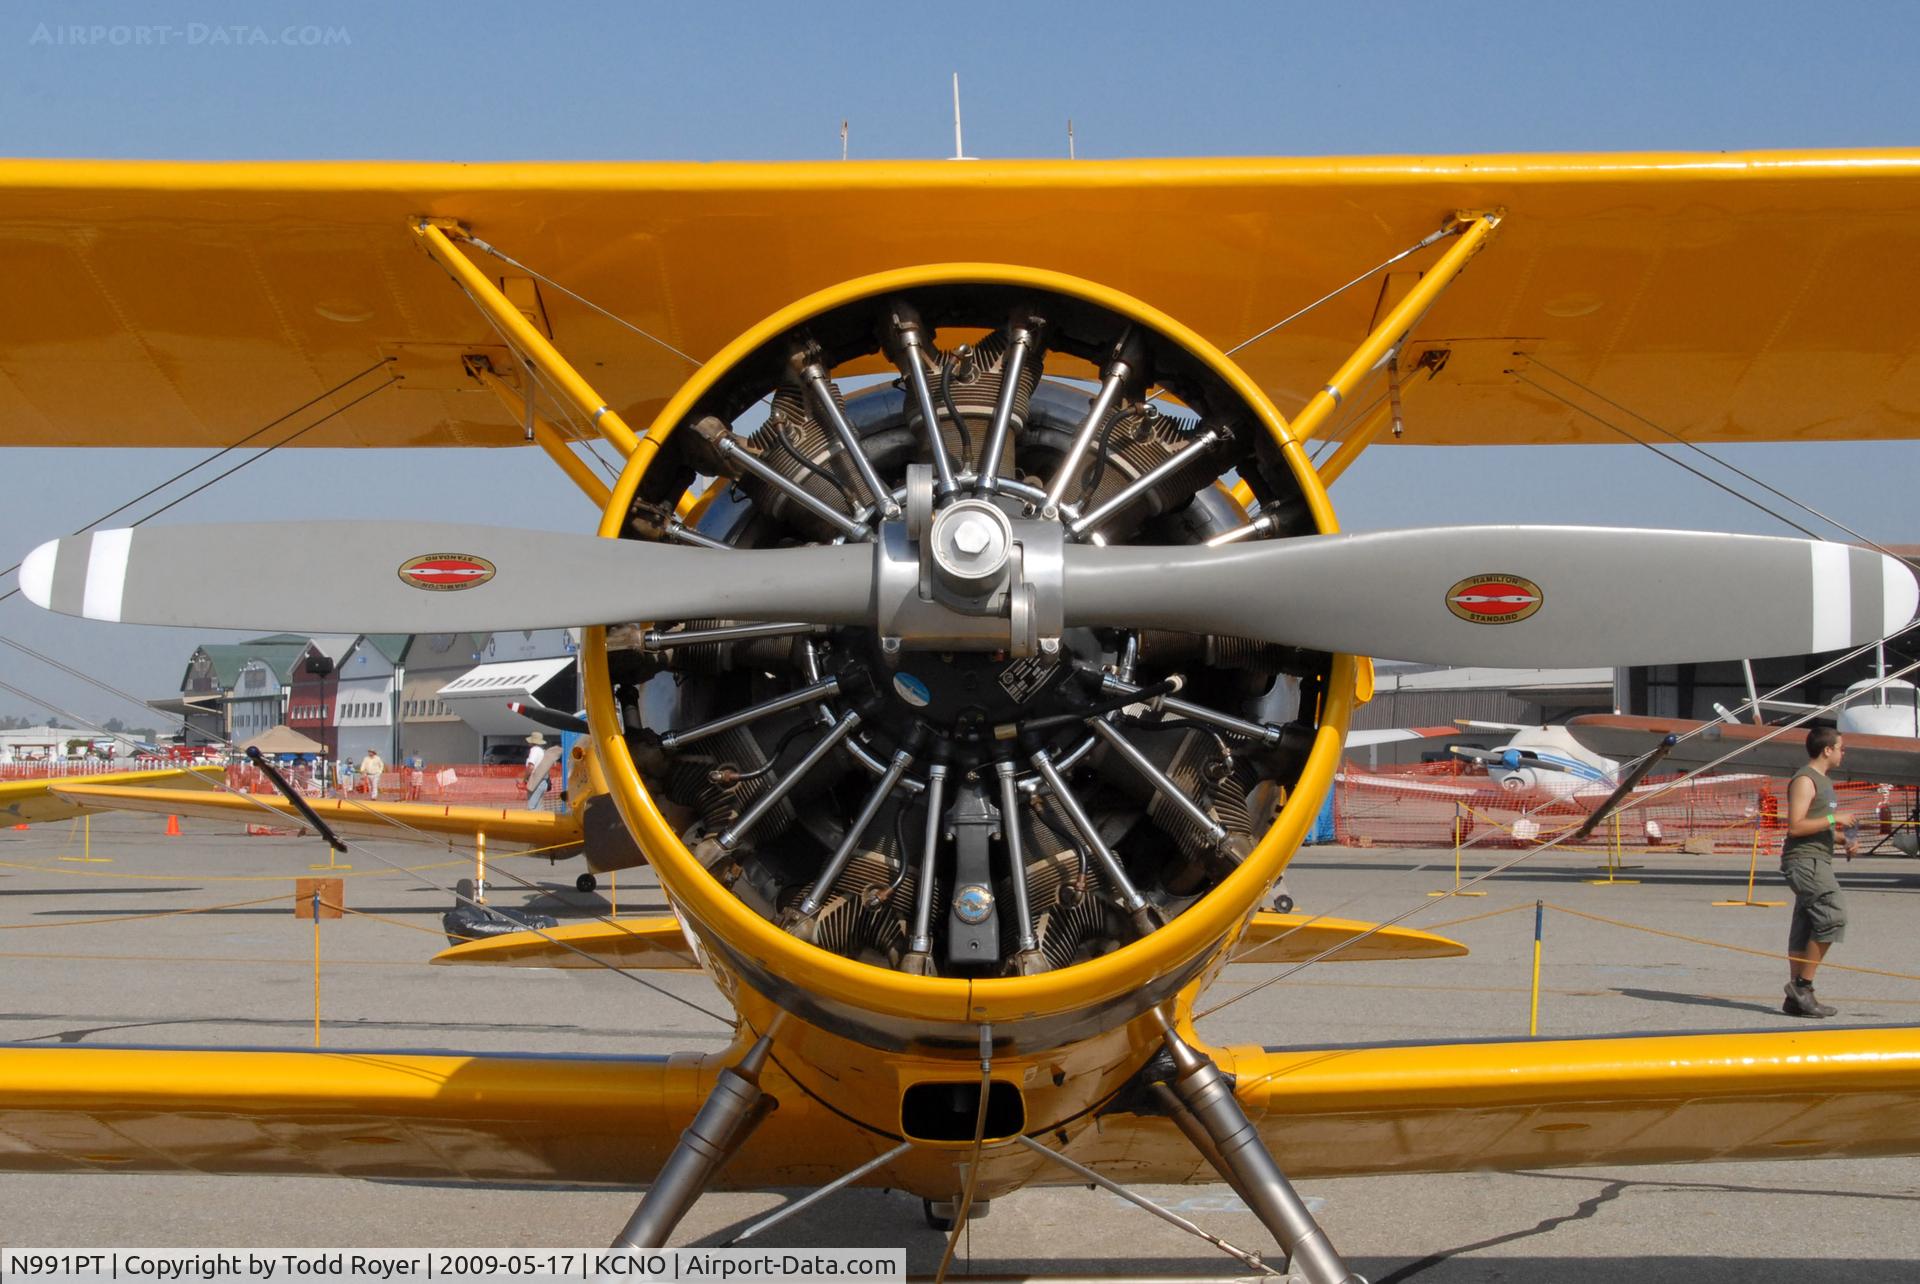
(1801,1001)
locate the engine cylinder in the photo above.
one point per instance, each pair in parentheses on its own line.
(1112,886)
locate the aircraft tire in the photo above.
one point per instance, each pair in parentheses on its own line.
(586,883)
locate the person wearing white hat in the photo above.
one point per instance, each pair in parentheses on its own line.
(536,779)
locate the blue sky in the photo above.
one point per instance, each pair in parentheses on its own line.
(483,81)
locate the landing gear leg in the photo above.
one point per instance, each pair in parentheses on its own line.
(727,1118)
(1245,1163)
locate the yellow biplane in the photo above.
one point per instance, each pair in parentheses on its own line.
(970,640)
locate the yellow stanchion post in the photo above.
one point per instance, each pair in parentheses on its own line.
(1459,833)
(86,856)
(1533,1015)
(330,866)
(1613,865)
(318,898)
(1753,863)
(480,867)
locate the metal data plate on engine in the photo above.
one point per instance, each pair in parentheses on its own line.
(1024,678)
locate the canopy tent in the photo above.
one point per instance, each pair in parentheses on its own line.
(284,740)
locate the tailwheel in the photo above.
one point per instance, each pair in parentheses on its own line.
(938,1214)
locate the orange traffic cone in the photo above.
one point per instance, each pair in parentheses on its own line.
(173,827)
(23,826)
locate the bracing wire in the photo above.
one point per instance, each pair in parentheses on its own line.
(291,437)
(575,295)
(1450,230)
(223,451)
(1735,469)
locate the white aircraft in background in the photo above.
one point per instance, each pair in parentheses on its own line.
(1881,723)
(1546,759)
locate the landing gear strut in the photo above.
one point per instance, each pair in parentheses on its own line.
(1235,1149)
(726,1119)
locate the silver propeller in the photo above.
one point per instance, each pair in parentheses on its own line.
(422,577)
(1506,595)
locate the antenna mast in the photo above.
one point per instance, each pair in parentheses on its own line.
(959,148)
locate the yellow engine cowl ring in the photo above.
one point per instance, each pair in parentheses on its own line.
(882,1007)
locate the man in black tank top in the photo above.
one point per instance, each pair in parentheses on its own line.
(1806,859)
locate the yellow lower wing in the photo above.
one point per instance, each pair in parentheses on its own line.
(1338,1111)
(1548,1103)
(1290,938)
(33,802)
(507,825)
(652,943)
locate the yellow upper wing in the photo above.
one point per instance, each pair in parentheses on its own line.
(1755,296)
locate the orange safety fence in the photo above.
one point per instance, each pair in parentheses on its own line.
(468,784)
(1441,804)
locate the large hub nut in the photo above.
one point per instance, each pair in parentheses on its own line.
(972,544)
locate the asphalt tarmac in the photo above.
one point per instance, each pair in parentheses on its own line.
(83,960)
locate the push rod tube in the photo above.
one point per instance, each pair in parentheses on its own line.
(920,939)
(1158,779)
(1261,732)
(653,640)
(753,712)
(799,494)
(1130,898)
(1144,482)
(916,372)
(1258,526)
(1070,466)
(815,378)
(685,534)
(1016,858)
(989,479)
(823,886)
(733,835)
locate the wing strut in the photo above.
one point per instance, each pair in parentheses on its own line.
(522,335)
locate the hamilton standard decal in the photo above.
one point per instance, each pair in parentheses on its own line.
(445,572)
(1494,599)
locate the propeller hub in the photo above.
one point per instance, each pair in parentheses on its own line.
(971,544)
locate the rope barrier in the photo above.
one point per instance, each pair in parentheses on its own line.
(1722,945)
(394,922)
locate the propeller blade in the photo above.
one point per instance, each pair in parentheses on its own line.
(1517,596)
(419,577)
